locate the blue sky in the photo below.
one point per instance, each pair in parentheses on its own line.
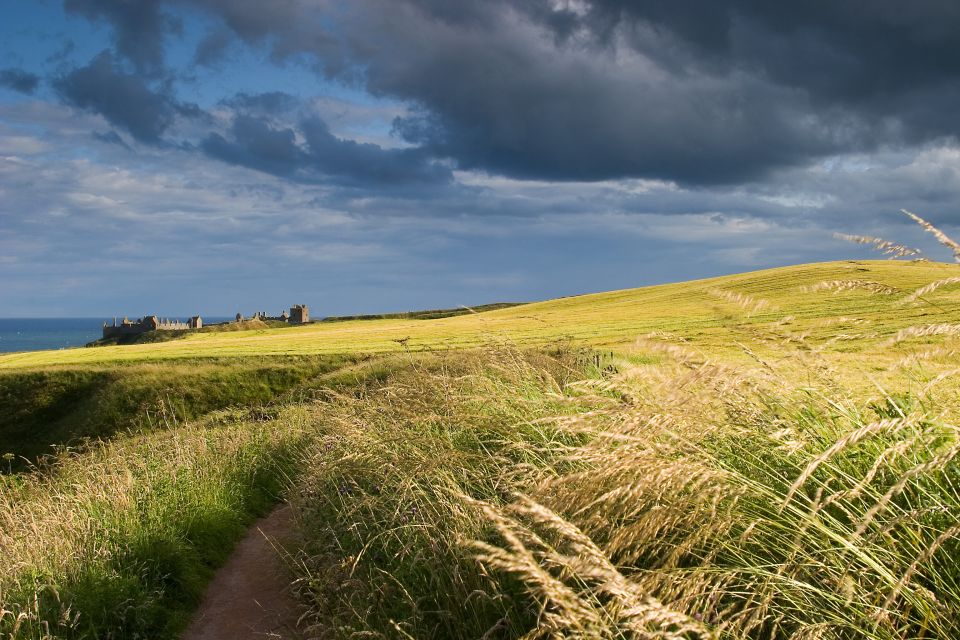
(213,156)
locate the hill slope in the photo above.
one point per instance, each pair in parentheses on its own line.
(664,479)
(703,312)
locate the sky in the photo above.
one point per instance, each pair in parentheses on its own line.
(175,157)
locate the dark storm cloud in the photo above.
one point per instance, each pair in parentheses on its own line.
(138,27)
(686,90)
(19,80)
(369,162)
(213,48)
(110,137)
(258,144)
(692,91)
(126,100)
(845,50)
(878,60)
(273,102)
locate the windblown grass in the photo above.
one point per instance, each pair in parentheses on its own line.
(734,503)
(119,542)
(386,504)
(510,494)
(795,492)
(772,501)
(886,247)
(670,496)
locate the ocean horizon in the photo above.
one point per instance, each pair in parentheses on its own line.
(41,334)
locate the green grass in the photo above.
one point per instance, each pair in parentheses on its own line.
(119,542)
(427,314)
(385,499)
(63,406)
(720,502)
(691,309)
(743,457)
(600,497)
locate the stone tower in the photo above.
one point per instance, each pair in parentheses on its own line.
(299,314)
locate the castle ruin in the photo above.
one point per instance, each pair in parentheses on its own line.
(298,314)
(148,323)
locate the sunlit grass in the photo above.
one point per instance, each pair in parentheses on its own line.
(693,309)
(119,542)
(768,455)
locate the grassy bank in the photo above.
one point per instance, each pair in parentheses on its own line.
(806,488)
(721,502)
(41,408)
(120,541)
(529,494)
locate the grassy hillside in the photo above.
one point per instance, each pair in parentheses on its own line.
(767,455)
(704,312)
(426,314)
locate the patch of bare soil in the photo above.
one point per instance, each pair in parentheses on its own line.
(249,597)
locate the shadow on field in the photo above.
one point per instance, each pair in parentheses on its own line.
(43,409)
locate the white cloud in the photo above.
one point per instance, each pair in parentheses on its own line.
(22,145)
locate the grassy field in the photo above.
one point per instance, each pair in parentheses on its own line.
(766,455)
(43,408)
(703,312)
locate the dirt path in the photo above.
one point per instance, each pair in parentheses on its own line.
(249,596)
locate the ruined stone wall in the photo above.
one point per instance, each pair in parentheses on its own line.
(148,323)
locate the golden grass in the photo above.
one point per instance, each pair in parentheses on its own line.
(712,501)
(941,237)
(765,455)
(672,496)
(705,312)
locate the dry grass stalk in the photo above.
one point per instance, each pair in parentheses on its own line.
(941,329)
(751,304)
(840,286)
(930,288)
(941,237)
(891,249)
(852,438)
(829,322)
(927,356)
(584,594)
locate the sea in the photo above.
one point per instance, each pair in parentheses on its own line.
(38,334)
